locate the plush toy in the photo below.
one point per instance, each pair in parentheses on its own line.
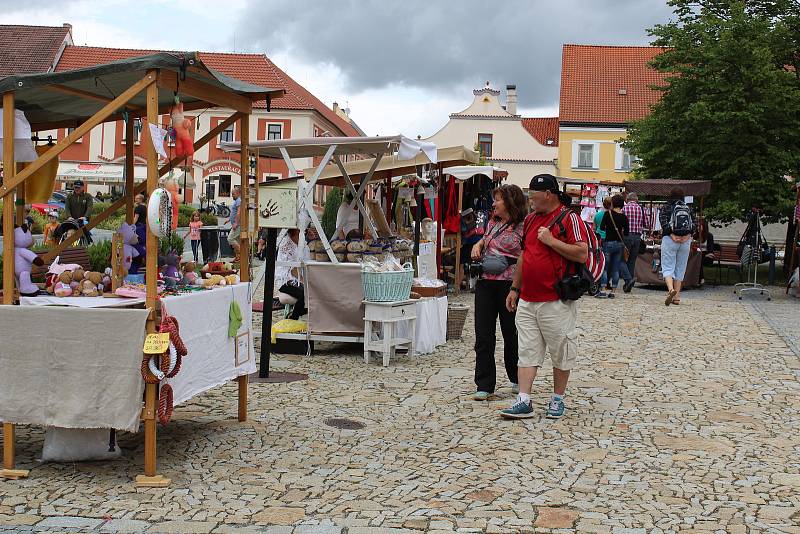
(232,279)
(169,269)
(55,271)
(129,239)
(106,279)
(94,278)
(78,274)
(60,289)
(190,277)
(184,145)
(212,280)
(87,288)
(24,259)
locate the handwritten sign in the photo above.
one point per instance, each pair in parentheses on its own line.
(156,344)
(242,346)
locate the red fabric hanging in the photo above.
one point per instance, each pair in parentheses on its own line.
(452,217)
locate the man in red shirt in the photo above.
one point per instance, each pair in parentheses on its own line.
(543,320)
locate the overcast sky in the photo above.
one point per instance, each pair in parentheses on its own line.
(401,67)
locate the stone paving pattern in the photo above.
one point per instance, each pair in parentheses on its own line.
(680,419)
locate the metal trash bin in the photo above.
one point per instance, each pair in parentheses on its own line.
(209,243)
(225,249)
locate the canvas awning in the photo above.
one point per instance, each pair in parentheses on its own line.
(310,147)
(662,188)
(465,172)
(66,98)
(393,166)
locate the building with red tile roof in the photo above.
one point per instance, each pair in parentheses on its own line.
(603,90)
(296,114)
(543,129)
(32,49)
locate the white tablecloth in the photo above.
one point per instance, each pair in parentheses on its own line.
(431,325)
(203,321)
(80,302)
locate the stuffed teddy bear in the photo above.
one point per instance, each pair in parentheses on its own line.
(184,145)
(60,289)
(24,259)
(129,239)
(55,270)
(87,288)
(190,277)
(169,269)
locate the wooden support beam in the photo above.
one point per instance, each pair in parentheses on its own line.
(79,132)
(244,237)
(129,194)
(150,476)
(81,93)
(9,168)
(204,91)
(138,188)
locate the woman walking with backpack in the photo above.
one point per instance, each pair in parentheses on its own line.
(677,226)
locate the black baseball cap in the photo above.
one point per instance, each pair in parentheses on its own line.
(77,183)
(544,182)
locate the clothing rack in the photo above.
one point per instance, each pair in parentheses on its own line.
(753,243)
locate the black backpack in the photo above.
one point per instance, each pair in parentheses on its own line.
(681,220)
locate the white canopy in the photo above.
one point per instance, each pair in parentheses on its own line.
(465,172)
(318,146)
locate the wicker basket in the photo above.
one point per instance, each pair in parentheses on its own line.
(390,286)
(456,317)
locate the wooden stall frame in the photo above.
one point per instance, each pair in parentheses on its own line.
(14,182)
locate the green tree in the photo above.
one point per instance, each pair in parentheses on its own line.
(730,108)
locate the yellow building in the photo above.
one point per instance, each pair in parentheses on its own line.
(603,90)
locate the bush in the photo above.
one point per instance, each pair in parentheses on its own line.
(174,243)
(99,255)
(332,203)
(39,222)
(112,223)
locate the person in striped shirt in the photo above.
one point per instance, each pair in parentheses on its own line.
(636,222)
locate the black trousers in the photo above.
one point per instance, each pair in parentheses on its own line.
(296,291)
(490,302)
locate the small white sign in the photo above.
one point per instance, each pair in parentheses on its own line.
(406,193)
(430,192)
(688,199)
(426,249)
(157,135)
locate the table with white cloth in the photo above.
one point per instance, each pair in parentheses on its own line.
(431,327)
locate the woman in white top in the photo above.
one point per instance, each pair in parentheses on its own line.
(347,216)
(290,289)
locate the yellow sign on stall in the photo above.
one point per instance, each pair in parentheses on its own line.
(156,343)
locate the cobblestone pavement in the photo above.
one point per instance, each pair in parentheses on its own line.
(680,419)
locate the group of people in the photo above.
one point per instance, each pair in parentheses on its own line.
(525,259)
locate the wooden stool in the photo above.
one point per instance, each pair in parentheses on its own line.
(388,314)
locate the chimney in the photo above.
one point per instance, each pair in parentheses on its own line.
(511,99)
(336,107)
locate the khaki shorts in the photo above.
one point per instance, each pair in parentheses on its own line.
(543,326)
(233,235)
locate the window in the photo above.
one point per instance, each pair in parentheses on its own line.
(226,136)
(485,143)
(624,161)
(137,130)
(224,185)
(585,156)
(70,130)
(274,131)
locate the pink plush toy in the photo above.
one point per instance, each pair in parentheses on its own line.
(24,259)
(129,238)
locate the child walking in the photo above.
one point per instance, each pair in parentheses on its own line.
(50,227)
(194,233)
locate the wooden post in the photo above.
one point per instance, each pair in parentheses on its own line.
(129,194)
(9,170)
(458,238)
(244,239)
(150,478)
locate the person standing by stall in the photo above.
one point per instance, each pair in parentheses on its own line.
(498,251)
(615,225)
(601,234)
(236,229)
(635,214)
(677,225)
(544,321)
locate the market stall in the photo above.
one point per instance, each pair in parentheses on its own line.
(332,288)
(108,383)
(652,196)
(466,214)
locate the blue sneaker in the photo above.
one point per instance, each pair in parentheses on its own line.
(555,410)
(521,410)
(481,395)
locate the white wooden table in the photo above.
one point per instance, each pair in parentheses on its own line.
(388,314)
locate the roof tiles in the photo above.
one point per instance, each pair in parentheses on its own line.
(542,129)
(252,68)
(607,84)
(29,49)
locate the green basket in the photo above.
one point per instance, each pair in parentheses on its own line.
(391,286)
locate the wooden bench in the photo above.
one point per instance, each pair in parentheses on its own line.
(727,256)
(77,255)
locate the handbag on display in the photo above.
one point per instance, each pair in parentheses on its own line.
(452,219)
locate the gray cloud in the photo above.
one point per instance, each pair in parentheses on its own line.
(446,45)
